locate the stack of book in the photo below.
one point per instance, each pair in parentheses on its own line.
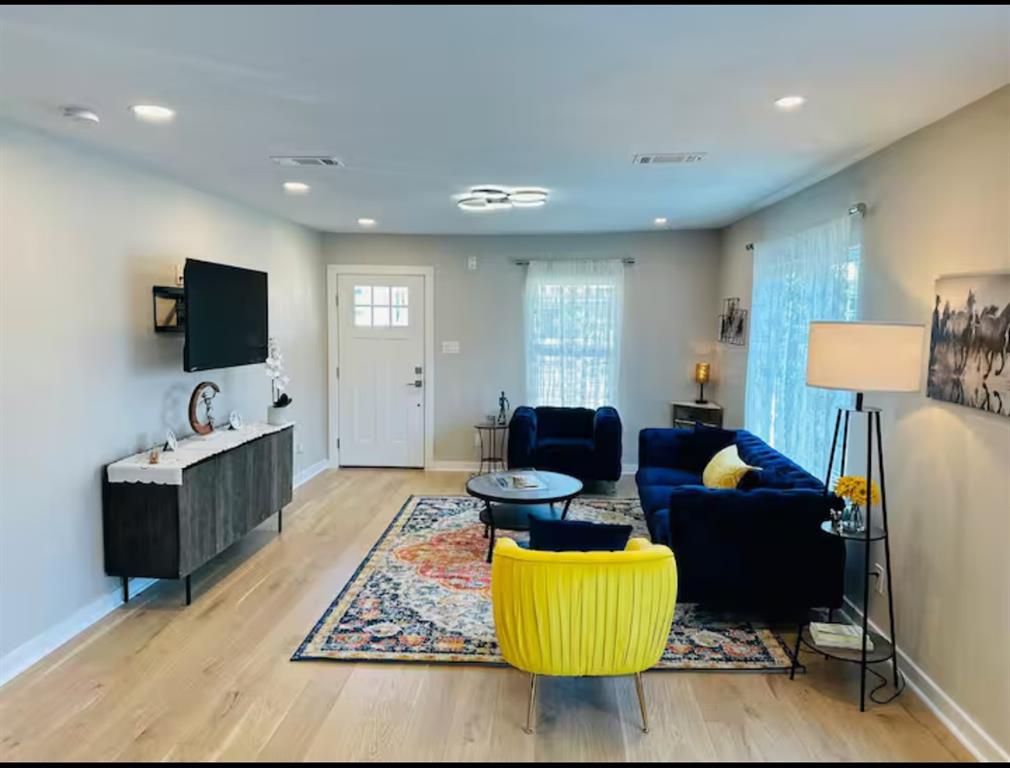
(846,636)
(520,481)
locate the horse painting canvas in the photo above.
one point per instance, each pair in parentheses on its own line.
(969,343)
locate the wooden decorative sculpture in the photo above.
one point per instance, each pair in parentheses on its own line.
(200,427)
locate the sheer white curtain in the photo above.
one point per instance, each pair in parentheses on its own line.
(811,275)
(573,332)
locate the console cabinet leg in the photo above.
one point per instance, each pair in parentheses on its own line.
(189,594)
(280,521)
(126,588)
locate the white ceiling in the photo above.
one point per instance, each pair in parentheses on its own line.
(422,102)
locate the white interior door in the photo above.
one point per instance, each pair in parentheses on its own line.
(380,414)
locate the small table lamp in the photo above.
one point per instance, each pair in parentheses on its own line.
(701,376)
(866,357)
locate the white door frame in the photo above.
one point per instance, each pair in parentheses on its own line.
(333,357)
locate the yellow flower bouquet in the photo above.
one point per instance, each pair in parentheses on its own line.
(853,488)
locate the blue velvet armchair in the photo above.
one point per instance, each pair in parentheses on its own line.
(579,442)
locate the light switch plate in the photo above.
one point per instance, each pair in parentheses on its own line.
(471,263)
(450,347)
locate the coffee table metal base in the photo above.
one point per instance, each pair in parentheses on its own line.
(515,517)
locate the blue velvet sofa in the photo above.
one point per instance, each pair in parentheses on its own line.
(759,546)
(579,442)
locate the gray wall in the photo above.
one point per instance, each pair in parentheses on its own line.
(85,380)
(939,203)
(669,318)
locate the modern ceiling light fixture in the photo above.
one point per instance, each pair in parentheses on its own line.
(659,222)
(501,199)
(153,113)
(366,222)
(528,197)
(296,187)
(790,103)
(80,114)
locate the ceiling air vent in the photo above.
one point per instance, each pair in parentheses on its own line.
(304,161)
(666,158)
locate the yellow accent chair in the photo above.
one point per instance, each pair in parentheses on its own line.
(583,613)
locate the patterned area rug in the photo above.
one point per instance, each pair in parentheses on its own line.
(423,594)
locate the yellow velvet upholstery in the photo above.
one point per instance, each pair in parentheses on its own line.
(583,613)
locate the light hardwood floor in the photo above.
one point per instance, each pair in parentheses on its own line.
(158,681)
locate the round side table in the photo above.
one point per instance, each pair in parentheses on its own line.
(492,446)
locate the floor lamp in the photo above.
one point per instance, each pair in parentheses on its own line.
(864,357)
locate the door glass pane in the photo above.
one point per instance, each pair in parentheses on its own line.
(400,316)
(363,294)
(400,297)
(380,295)
(363,316)
(381,317)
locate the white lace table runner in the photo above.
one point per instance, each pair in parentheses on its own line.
(168,470)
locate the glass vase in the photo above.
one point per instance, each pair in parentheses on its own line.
(852,518)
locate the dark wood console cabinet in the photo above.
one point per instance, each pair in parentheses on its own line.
(168,531)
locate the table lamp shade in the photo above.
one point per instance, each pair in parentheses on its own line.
(865,357)
(701,373)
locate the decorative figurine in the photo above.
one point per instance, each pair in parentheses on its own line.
(153,455)
(171,442)
(503,409)
(235,420)
(201,393)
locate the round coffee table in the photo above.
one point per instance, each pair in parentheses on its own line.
(510,510)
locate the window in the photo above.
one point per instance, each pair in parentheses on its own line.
(381,306)
(573,332)
(813,275)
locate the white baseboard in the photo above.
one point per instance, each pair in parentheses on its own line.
(453,466)
(26,654)
(473,466)
(309,472)
(31,651)
(974,738)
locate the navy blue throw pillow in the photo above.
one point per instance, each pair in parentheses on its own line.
(705,442)
(577,536)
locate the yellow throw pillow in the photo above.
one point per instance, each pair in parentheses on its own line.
(726,469)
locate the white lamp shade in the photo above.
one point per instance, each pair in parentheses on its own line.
(865,357)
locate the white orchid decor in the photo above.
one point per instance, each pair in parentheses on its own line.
(275,372)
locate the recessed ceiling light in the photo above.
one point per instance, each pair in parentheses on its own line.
(296,188)
(366,222)
(152,113)
(790,103)
(80,114)
(659,222)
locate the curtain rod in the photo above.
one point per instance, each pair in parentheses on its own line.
(526,262)
(859,208)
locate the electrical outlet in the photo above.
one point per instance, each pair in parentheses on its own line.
(878,570)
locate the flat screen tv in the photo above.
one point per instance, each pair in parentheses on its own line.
(226,316)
